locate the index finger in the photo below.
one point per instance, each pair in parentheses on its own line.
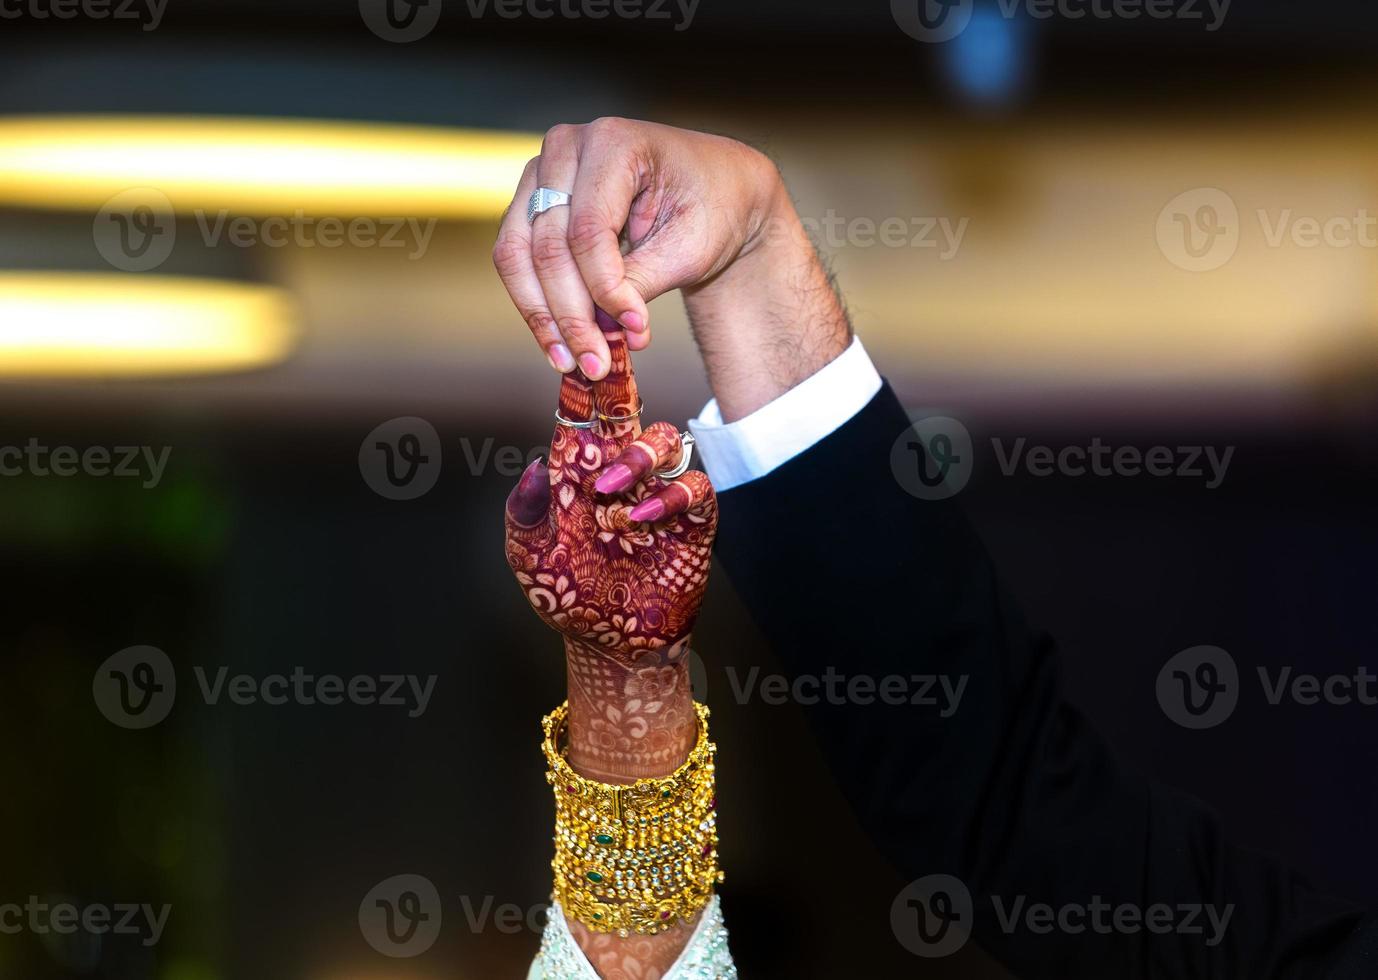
(615,397)
(601,200)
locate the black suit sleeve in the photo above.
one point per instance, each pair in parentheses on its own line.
(1012,793)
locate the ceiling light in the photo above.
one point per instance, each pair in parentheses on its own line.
(57,324)
(261,166)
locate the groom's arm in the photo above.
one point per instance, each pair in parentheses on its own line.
(1001,783)
(1011,792)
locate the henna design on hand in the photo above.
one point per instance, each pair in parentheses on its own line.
(616,560)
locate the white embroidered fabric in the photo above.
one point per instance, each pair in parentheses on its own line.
(706,957)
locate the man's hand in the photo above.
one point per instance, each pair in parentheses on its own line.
(705,214)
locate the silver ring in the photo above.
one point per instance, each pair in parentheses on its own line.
(543,199)
(575,425)
(686,453)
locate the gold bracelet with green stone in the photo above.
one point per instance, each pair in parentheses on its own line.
(638,857)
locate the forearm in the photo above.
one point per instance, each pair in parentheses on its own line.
(626,723)
(771,319)
(974,765)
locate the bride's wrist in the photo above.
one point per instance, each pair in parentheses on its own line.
(627,721)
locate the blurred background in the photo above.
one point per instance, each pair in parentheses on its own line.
(240,239)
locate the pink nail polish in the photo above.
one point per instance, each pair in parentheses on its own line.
(560,358)
(633,321)
(530,498)
(648,510)
(590,365)
(617,477)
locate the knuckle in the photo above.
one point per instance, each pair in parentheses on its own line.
(609,126)
(549,251)
(539,322)
(508,252)
(558,135)
(587,230)
(640,281)
(577,330)
(696,482)
(603,285)
(761,165)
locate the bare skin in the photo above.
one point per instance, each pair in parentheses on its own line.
(711,217)
(703,214)
(616,560)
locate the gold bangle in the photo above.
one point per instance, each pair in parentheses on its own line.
(637,857)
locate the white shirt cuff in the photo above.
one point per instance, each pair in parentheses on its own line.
(749,448)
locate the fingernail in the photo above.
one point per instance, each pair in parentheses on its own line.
(560,358)
(633,321)
(648,510)
(616,477)
(604,320)
(530,498)
(590,365)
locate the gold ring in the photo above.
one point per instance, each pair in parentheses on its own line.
(641,406)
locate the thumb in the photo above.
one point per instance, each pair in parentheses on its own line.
(672,255)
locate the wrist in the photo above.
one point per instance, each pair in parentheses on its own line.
(772,318)
(627,722)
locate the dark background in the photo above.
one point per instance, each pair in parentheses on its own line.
(264,549)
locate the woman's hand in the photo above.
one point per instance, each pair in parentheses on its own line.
(616,559)
(610,555)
